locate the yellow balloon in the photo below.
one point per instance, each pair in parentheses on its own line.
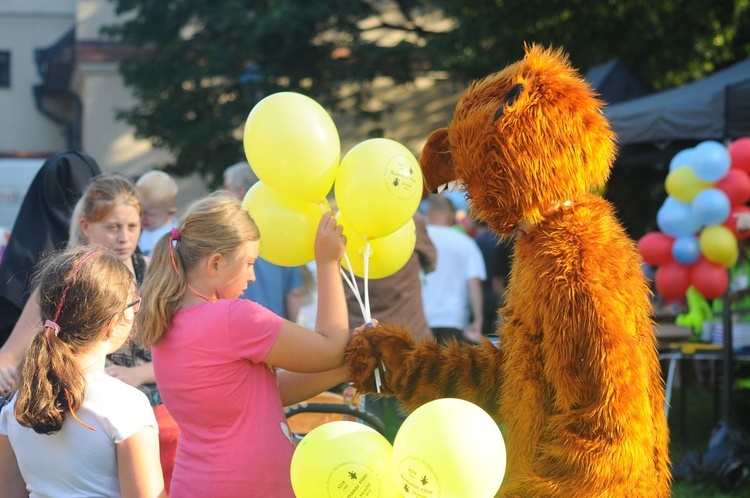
(287,225)
(449,448)
(718,244)
(292,144)
(343,459)
(683,185)
(387,254)
(378,186)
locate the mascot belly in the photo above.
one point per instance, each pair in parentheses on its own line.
(575,381)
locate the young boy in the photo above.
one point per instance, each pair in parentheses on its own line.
(157,192)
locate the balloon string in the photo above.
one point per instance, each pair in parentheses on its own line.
(352,283)
(368,318)
(364,308)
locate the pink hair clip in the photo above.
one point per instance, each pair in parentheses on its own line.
(175,234)
(49,324)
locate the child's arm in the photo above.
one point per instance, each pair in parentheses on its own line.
(296,348)
(139,467)
(13,485)
(297,387)
(12,351)
(135,376)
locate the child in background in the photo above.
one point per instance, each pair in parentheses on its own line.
(71,429)
(158,194)
(215,354)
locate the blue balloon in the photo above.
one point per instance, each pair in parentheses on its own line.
(676,219)
(686,249)
(711,206)
(681,159)
(711,161)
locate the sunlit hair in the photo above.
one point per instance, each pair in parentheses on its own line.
(91,292)
(214,224)
(97,202)
(157,187)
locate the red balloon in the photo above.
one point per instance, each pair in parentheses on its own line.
(672,280)
(731,221)
(656,248)
(739,152)
(710,279)
(736,184)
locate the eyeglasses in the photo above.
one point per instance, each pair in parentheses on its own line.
(136,305)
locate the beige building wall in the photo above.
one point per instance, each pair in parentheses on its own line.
(26,25)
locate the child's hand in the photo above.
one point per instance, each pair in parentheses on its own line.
(363,328)
(330,242)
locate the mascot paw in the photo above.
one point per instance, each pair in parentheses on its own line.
(377,348)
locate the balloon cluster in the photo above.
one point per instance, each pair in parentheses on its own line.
(707,186)
(292,145)
(447,447)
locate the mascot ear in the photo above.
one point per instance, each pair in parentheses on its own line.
(436,160)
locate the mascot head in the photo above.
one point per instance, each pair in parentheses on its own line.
(523,141)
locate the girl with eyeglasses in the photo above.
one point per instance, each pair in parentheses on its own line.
(71,429)
(108,214)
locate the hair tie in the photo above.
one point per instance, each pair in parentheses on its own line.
(50,324)
(175,234)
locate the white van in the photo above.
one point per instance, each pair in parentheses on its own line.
(15,178)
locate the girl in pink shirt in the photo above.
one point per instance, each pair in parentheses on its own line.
(216,355)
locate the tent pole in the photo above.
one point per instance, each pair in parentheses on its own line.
(727,358)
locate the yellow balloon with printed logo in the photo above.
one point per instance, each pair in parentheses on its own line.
(287,225)
(449,448)
(378,187)
(718,244)
(387,254)
(343,459)
(292,144)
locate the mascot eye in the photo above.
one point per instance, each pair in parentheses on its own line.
(510,97)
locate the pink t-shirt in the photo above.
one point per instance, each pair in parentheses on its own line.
(209,367)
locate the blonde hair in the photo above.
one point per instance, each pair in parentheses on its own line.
(158,187)
(214,224)
(97,202)
(83,290)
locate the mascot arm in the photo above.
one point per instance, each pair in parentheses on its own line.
(418,373)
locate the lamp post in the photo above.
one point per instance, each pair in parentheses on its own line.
(251,81)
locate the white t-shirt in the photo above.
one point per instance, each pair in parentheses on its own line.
(445,294)
(76,461)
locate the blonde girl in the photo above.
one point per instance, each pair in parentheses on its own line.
(218,358)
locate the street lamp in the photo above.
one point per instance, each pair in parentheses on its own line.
(251,81)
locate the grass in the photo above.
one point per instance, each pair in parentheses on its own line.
(690,431)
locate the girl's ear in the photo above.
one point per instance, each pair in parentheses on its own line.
(112,325)
(212,264)
(84,223)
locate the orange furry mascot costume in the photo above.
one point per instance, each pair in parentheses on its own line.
(576,380)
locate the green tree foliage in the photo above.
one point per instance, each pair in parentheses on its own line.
(187,79)
(667,42)
(191,102)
